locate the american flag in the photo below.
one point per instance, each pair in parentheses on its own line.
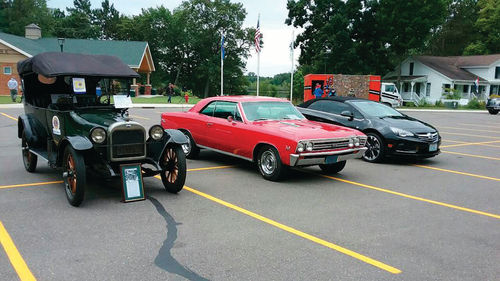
(257,37)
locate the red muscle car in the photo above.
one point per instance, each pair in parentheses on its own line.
(268,131)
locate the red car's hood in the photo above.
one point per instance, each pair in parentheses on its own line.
(305,129)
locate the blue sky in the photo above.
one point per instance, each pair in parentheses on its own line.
(275,56)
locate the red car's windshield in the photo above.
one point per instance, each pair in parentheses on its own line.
(270,110)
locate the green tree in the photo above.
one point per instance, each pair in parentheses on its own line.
(15,15)
(457,32)
(488,29)
(108,18)
(79,23)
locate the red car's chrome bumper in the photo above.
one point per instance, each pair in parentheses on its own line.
(315,158)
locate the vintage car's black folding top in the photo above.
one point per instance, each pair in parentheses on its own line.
(67,64)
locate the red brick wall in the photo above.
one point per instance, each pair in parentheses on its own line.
(4,90)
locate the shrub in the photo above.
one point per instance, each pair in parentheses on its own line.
(475,104)
(439,103)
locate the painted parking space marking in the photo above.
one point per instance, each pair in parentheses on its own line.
(8,116)
(466,129)
(457,172)
(496,216)
(14,256)
(479,125)
(29,184)
(470,143)
(299,233)
(211,168)
(469,135)
(471,155)
(139,117)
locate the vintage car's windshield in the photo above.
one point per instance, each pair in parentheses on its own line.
(99,92)
(270,110)
(374,109)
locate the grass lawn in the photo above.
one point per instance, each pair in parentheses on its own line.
(5,99)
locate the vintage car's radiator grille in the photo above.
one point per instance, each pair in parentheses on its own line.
(127,143)
(428,137)
(330,144)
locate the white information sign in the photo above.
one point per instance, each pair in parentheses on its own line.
(122,101)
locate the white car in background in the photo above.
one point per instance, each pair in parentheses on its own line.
(389,95)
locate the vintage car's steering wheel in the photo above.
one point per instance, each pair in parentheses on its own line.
(103,99)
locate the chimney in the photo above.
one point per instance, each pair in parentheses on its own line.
(33,31)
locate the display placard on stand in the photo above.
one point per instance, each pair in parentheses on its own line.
(132,187)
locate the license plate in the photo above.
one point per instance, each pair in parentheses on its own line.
(331,159)
(433,147)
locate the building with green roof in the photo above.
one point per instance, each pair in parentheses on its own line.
(14,48)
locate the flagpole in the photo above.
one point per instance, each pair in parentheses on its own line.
(258,58)
(293,62)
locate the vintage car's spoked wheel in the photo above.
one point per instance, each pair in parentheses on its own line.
(29,159)
(190,148)
(74,176)
(333,168)
(375,151)
(269,163)
(173,164)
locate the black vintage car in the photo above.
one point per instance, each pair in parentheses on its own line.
(390,132)
(493,105)
(71,121)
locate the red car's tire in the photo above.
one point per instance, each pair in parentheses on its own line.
(270,165)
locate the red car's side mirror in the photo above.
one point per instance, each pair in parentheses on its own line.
(230,118)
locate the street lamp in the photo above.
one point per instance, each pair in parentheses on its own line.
(61,43)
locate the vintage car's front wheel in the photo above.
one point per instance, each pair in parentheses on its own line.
(333,168)
(270,165)
(74,175)
(173,164)
(29,159)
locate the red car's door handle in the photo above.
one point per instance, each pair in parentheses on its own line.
(209,124)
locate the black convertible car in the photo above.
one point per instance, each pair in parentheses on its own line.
(390,132)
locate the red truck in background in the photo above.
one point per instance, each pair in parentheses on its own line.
(361,86)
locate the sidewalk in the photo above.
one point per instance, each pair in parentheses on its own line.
(441,110)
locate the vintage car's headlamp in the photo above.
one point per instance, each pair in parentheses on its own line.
(300,147)
(156,132)
(401,132)
(98,135)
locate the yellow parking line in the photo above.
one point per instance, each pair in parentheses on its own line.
(454,141)
(470,143)
(458,173)
(210,168)
(414,197)
(139,117)
(8,116)
(298,232)
(469,135)
(471,155)
(465,129)
(486,126)
(29,184)
(14,256)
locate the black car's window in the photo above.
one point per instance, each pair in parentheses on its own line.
(375,109)
(329,106)
(209,109)
(224,109)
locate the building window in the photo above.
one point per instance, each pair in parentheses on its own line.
(446,88)
(411,68)
(7,70)
(466,89)
(497,72)
(428,90)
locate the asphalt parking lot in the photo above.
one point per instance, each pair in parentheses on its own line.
(435,219)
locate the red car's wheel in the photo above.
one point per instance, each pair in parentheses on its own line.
(270,165)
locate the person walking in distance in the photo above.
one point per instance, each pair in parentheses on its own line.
(12,84)
(170,92)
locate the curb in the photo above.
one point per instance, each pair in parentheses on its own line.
(442,110)
(138,105)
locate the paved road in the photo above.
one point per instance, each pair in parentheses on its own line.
(437,219)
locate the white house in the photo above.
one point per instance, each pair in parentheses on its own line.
(429,77)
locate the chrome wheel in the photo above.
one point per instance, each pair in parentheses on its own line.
(268,162)
(186,148)
(374,148)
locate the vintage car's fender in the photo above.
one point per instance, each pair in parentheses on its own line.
(176,136)
(155,148)
(78,143)
(32,129)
